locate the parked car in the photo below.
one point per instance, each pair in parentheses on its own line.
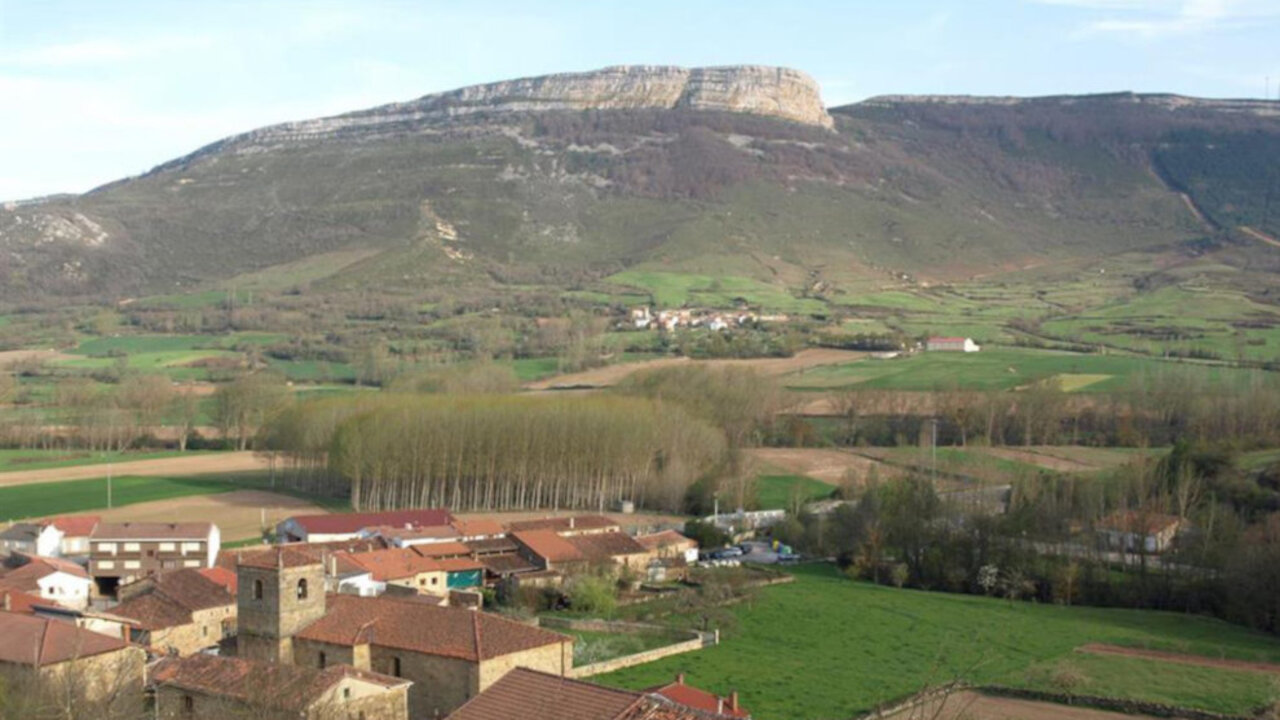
(788,558)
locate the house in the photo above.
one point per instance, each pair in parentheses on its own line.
(180,612)
(701,700)
(641,317)
(98,621)
(350,526)
(31,538)
(52,579)
(951,344)
(669,544)
(549,550)
(403,537)
(478,529)
(70,659)
(526,694)
(120,553)
(402,567)
(75,530)
(207,687)
(450,654)
(1133,531)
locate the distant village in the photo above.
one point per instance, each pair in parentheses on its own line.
(644,318)
(355,615)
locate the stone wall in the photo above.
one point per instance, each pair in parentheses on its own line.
(204,630)
(682,641)
(440,684)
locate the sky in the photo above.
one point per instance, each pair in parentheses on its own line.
(97,90)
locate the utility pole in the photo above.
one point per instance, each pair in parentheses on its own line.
(108,485)
(934,422)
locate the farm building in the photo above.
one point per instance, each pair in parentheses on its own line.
(96,667)
(1132,531)
(181,612)
(31,538)
(951,344)
(350,526)
(53,579)
(120,553)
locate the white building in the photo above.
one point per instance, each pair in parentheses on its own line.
(35,538)
(60,581)
(951,344)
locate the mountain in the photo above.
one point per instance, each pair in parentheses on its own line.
(567,179)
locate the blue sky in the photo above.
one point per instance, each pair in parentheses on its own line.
(93,91)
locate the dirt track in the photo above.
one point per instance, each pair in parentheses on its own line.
(829,466)
(975,706)
(192,465)
(12,357)
(238,514)
(612,374)
(1181,659)
(1031,457)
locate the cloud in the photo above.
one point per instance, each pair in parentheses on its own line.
(1155,19)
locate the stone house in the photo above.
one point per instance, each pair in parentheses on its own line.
(53,579)
(550,550)
(76,530)
(404,568)
(181,612)
(450,654)
(61,658)
(207,687)
(669,545)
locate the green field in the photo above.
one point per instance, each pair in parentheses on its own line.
(828,647)
(997,369)
(16,460)
(73,496)
(776,492)
(672,290)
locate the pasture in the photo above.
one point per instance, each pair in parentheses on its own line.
(780,492)
(828,647)
(20,460)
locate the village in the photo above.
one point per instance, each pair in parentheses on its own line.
(355,615)
(379,615)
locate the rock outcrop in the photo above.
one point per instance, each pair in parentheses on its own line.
(769,91)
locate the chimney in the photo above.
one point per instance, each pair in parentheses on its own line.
(680,679)
(571,522)
(733,701)
(8,602)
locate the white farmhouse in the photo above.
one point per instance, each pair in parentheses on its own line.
(42,539)
(951,344)
(54,579)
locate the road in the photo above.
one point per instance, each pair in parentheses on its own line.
(202,464)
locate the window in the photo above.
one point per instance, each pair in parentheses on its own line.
(188,704)
(132,547)
(190,563)
(167,547)
(190,547)
(106,565)
(346,693)
(132,564)
(435,581)
(204,631)
(302,589)
(107,547)
(323,660)
(257,589)
(395,666)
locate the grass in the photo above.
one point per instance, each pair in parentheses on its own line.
(997,369)
(776,492)
(828,647)
(18,460)
(671,290)
(73,496)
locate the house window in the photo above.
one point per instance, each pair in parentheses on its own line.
(106,565)
(302,589)
(132,565)
(257,589)
(188,704)
(132,547)
(346,693)
(323,660)
(395,667)
(107,547)
(167,547)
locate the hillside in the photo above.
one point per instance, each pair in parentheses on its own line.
(566,181)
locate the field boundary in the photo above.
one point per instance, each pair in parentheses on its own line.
(1180,658)
(1128,707)
(692,641)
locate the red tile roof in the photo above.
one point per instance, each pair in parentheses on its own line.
(548,545)
(524,694)
(152,531)
(564,524)
(221,576)
(26,577)
(75,525)
(455,565)
(394,563)
(280,556)
(692,697)
(346,523)
(188,588)
(153,611)
(478,527)
(442,550)
(1133,521)
(606,546)
(404,624)
(265,685)
(505,563)
(492,546)
(37,641)
(18,601)
(666,538)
